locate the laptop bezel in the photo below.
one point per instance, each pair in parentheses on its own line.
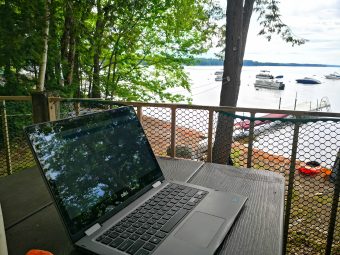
(81,233)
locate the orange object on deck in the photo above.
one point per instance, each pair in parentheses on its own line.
(38,252)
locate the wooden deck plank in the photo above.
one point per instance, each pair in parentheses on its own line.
(21,194)
(259,228)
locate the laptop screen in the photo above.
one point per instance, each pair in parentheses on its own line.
(94,164)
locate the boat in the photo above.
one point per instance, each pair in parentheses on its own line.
(219,78)
(333,76)
(219,75)
(269,83)
(264,74)
(308,80)
(266,80)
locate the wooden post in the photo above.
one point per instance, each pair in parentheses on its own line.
(6,138)
(76,106)
(140,113)
(280,103)
(251,139)
(210,131)
(43,109)
(173,132)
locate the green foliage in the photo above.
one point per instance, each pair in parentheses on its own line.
(182,151)
(120,49)
(270,20)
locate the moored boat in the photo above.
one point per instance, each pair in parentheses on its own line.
(264,74)
(333,76)
(308,80)
(218,78)
(269,84)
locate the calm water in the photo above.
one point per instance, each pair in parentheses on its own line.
(206,91)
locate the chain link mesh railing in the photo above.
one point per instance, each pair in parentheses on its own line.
(302,149)
(16,156)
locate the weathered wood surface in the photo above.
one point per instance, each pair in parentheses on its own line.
(259,228)
(22,194)
(43,230)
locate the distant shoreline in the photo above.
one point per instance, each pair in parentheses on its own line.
(219,62)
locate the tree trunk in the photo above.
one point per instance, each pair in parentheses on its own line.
(68,45)
(42,69)
(238,18)
(97,52)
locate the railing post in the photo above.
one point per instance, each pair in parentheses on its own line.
(76,106)
(334,210)
(173,132)
(43,109)
(290,185)
(251,139)
(6,138)
(140,113)
(210,131)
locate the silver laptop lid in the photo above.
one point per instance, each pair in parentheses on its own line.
(94,165)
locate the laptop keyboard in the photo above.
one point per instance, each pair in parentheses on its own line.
(143,230)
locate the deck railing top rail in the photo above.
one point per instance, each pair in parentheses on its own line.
(181,106)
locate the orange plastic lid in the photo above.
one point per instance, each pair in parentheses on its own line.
(38,252)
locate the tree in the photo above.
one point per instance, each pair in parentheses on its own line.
(118,49)
(42,69)
(238,17)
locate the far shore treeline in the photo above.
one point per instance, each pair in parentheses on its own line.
(219,62)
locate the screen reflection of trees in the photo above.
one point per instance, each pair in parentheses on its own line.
(94,163)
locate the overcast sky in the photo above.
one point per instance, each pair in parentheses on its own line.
(315,20)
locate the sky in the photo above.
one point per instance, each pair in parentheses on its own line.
(315,20)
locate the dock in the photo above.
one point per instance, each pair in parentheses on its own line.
(245,125)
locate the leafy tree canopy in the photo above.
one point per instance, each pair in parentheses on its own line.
(120,49)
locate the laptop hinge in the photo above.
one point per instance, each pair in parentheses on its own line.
(92,229)
(156,184)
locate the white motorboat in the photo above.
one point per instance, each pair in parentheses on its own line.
(333,76)
(219,77)
(266,80)
(264,74)
(269,84)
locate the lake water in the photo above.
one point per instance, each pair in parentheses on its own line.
(206,91)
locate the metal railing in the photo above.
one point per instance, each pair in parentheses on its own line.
(290,143)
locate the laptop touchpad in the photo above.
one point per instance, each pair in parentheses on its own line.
(199,229)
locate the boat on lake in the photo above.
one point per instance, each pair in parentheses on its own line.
(265,74)
(219,77)
(269,84)
(266,80)
(333,76)
(308,80)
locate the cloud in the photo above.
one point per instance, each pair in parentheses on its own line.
(316,20)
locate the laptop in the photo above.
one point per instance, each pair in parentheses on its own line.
(112,196)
